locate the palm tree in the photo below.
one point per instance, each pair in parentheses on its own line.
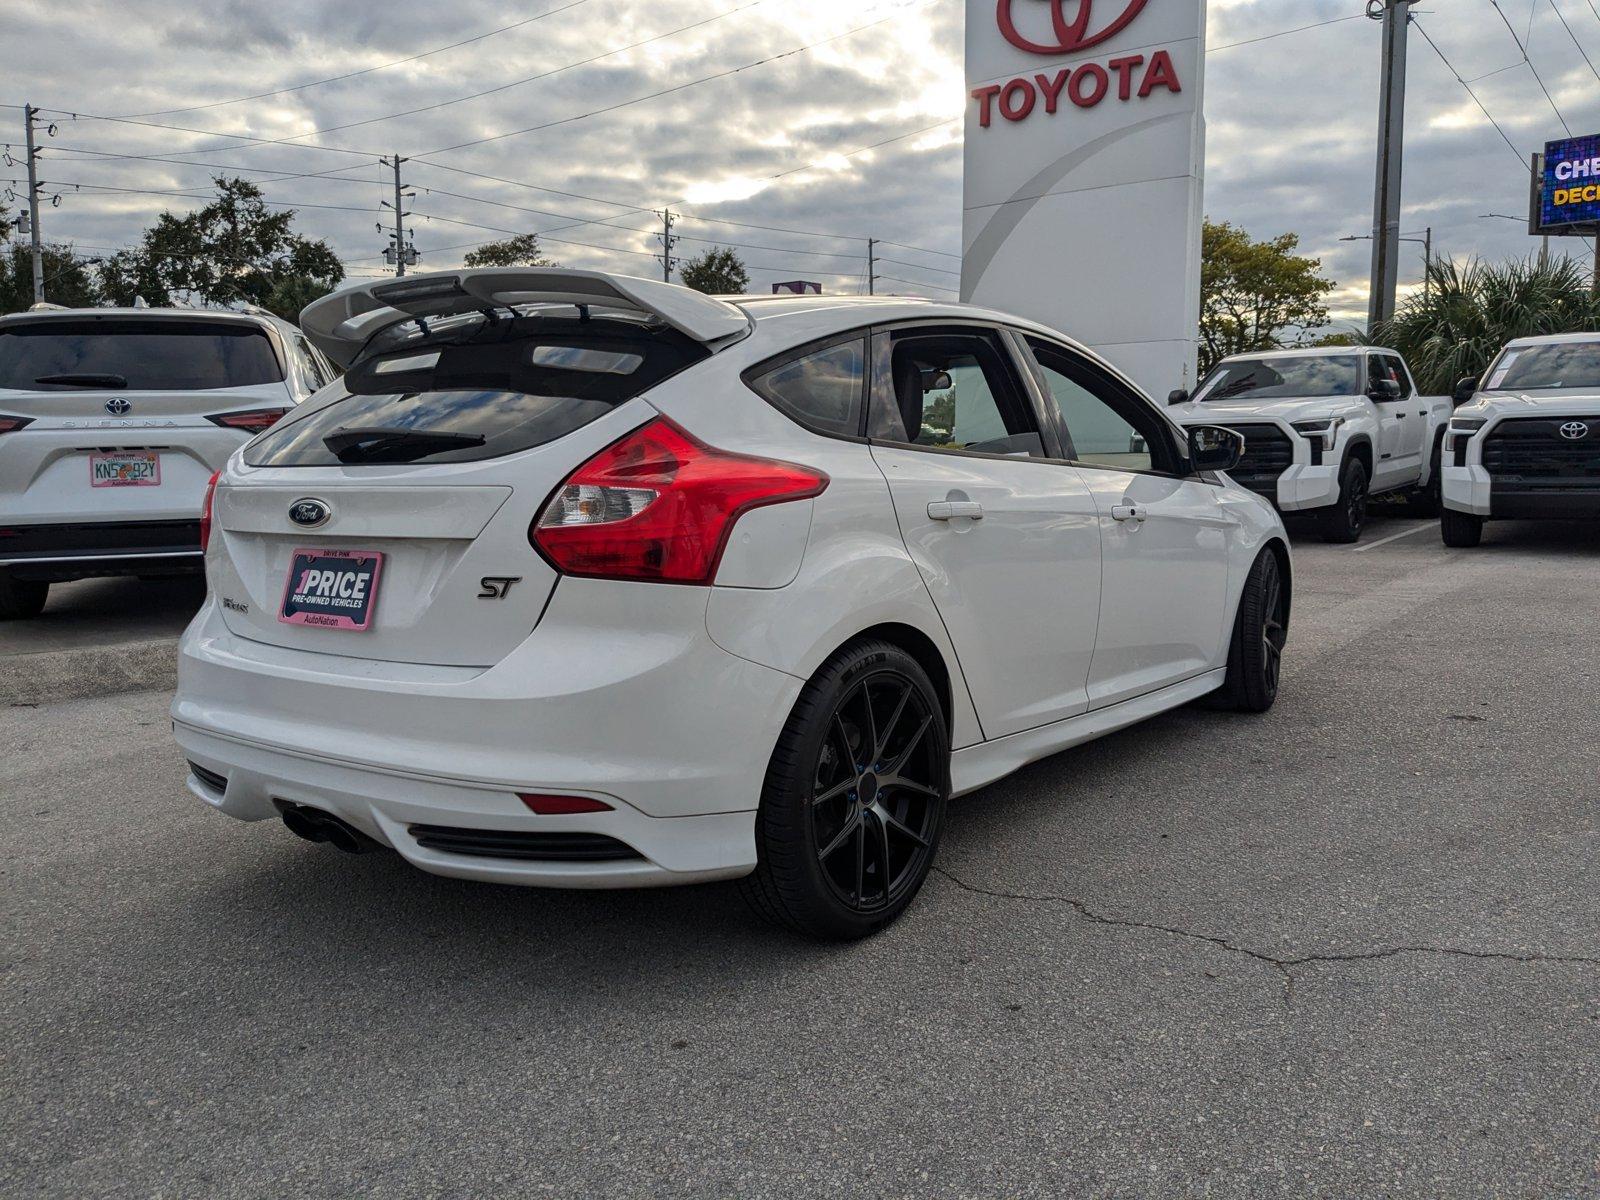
(1472,309)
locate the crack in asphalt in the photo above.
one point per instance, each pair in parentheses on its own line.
(1281,965)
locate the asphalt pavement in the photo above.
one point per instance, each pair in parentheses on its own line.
(1348,948)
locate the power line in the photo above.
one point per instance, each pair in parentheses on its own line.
(1571,35)
(300,87)
(1267,37)
(919,266)
(1503,137)
(1537,77)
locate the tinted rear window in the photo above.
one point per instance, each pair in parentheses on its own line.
(460,390)
(134,355)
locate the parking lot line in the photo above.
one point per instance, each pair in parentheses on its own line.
(1394,537)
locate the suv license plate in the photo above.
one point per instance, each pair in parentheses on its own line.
(135,469)
(331,588)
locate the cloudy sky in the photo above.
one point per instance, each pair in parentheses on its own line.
(772,130)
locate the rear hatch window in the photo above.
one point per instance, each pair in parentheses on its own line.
(477,386)
(129,354)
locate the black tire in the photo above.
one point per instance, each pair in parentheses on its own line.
(1426,501)
(21,599)
(1255,653)
(1460,529)
(1344,520)
(842,846)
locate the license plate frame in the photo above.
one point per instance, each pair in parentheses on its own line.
(339,602)
(102,466)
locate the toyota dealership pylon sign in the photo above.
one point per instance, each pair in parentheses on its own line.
(1085,149)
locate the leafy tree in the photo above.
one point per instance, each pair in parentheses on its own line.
(519,251)
(233,250)
(1252,292)
(67,278)
(717,272)
(1473,308)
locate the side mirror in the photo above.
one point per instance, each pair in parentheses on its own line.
(1466,388)
(1213,448)
(1178,396)
(1382,390)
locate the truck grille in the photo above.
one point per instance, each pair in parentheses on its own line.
(1531,450)
(1268,452)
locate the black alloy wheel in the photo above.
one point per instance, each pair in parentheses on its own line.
(1260,633)
(1344,521)
(854,798)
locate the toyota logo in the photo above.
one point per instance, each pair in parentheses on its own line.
(1574,431)
(309,513)
(1070,36)
(118,407)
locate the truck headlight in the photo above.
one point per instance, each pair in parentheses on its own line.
(1320,433)
(1467,425)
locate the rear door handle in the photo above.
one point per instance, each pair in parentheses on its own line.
(945,510)
(1127,512)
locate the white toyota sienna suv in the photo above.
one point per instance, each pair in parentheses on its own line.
(579,580)
(112,421)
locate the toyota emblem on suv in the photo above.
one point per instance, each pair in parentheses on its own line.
(309,513)
(1574,431)
(118,407)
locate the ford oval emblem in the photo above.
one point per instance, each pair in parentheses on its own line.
(309,513)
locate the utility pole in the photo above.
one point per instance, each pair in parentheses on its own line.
(872,266)
(402,253)
(29,114)
(1396,17)
(668,240)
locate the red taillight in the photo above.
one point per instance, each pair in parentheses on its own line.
(253,421)
(562,806)
(659,506)
(205,510)
(12,424)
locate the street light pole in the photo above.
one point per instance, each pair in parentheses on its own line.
(1396,17)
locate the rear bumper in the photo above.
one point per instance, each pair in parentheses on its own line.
(392,807)
(74,550)
(662,723)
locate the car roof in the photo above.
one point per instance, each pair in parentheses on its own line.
(1552,339)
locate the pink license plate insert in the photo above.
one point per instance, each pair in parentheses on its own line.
(334,589)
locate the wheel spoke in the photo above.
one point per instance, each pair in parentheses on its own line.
(833,793)
(898,783)
(861,861)
(869,737)
(844,743)
(905,754)
(883,851)
(841,837)
(890,821)
(879,749)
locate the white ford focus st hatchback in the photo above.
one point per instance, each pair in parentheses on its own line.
(578,580)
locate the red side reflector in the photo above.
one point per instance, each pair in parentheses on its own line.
(562,806)
(205,510)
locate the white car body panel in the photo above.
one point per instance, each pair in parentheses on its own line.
(45,466)
(1401,433)
(1466,484)
(666,700)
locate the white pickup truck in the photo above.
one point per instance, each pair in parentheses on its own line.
(1325,429)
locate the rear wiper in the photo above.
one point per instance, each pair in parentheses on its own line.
(86,379)
(394,445)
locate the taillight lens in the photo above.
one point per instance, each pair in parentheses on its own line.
(12,424)
(253,421)
(659,505)
(562,806)
(205,510)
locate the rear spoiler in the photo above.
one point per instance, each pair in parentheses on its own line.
(342,323)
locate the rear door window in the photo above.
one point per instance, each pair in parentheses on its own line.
(130,354)
(462,390)
(954,391)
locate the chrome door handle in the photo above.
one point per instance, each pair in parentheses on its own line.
(945,510)
(1127,512)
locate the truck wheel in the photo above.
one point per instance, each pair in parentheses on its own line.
(854,798)
(1255,653)
(1459,528)
(1425,501)
(1344,521)
(22,598)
